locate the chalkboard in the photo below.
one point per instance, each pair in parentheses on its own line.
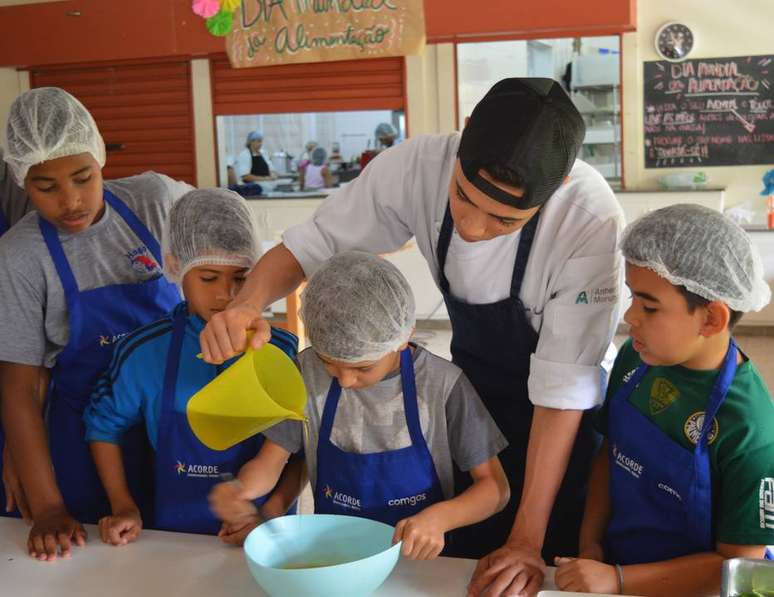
(709,112)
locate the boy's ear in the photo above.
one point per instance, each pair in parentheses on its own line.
(716,319)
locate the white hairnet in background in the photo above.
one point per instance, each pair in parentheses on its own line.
(357,307)
(702,250)
(45,124)
(208,227)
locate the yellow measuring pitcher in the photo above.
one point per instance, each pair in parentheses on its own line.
(262,388)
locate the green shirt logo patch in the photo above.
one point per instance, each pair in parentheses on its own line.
(662,394)
(695,423)
(582,298)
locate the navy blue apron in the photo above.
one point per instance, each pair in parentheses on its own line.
(186,469)
(492,343)
(384,486)
(3,223)
(96,318)
(661,493)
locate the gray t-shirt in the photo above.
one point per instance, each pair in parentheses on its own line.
(14,202)
(34,325)
(455,423)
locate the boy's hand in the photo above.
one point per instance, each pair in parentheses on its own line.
(14,493)
(231,503)
(54,532)
(121,528)
(235,534)
(422,536)
(585,576)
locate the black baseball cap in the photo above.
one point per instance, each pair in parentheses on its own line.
(529,126)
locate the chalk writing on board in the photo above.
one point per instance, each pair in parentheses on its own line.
(709,112)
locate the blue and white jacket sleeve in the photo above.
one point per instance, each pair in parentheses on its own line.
(127,392)
(285,341)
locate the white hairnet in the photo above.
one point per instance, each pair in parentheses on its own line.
(45,124)
(319,156)
(702,250)
(357,307)
(208,227)
(385,129)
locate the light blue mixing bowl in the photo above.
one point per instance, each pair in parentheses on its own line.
(321,555)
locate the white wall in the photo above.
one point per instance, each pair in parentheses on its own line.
(721,28)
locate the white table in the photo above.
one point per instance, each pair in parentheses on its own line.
(181,565)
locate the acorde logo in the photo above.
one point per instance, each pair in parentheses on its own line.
(197,470)
(411,500)
(628,464)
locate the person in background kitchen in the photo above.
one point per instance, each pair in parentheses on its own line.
(317,174)
(686,476)
(80,272)
(209,245)
(253,164)
(386,419)
(385,136)
(522,240)
(306,156)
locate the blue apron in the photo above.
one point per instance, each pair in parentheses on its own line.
(186,469)
(661,493)
(96,318)
(3,224)
(384,486)
(493,343)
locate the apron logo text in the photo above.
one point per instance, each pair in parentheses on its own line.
(206,471)
(630,465)
(342,499)
(411,500)
(140,261)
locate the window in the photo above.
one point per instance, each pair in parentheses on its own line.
(588,67)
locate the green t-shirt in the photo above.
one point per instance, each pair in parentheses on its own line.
(742,440)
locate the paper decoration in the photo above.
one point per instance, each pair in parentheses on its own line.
(206,8)
(220,25)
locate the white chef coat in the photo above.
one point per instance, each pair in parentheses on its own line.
(572,284)
(243,163)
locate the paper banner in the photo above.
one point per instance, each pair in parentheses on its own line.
(271,32)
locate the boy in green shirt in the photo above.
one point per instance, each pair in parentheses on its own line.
(669,499)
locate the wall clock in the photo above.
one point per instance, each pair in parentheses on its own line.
(674,41)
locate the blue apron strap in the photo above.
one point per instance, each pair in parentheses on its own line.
(526,236)
(51,236)
(4,227)
(410,397)
(329,411)
(135,224)
(719,391)
(170,373)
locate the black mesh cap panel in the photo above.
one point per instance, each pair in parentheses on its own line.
(529,126)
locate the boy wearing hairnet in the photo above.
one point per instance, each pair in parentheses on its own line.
(78,274)
(209,245)
(686,476)
(386,419)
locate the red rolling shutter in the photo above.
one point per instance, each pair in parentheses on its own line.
(143,109)
(374,84)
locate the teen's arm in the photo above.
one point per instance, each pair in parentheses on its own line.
(422,534)
(697,575)
(53,528)
(597,514)
(125,523)
(518,567)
